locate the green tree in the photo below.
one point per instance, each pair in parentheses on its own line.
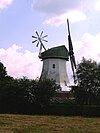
(18,94)
(15,94)
(3,72)
(5,87)
(98,82)
(88,73)
(44,90)
(24,91)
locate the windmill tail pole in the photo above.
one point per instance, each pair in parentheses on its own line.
(42,45)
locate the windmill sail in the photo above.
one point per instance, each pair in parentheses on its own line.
(71,53)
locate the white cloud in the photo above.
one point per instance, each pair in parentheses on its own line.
(88,47)
(58,10)
(55,7)
(20,64)
(26,63)
(76,16)
(5,3)
(73,16)
(97,5)
(51,7)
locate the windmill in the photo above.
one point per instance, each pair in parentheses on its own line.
(71,54)
(54,61)
(39,39)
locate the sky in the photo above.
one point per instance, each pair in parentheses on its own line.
(20,19)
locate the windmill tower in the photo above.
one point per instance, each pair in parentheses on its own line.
(54,61)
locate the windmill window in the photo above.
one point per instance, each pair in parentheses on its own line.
(53,66)
(65,83)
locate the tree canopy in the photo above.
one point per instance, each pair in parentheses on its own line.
(88,88)
(16,94)
(3,72)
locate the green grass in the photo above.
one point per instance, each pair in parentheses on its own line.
(48,124)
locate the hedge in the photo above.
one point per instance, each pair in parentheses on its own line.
(73,110)
(55,109)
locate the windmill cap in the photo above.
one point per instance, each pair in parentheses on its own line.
(56,52)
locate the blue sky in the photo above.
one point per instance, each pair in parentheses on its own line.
(20,19)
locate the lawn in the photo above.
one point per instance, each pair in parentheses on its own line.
(48,124)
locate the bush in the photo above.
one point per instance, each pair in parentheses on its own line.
(73,110)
